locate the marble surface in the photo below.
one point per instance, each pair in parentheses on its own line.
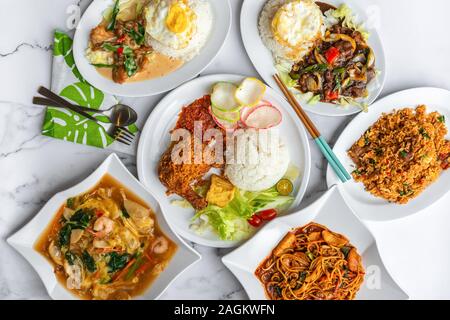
(34,167)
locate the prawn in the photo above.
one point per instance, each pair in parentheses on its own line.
(160,245)
(103,226)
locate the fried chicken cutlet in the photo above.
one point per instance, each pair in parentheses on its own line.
(181,178)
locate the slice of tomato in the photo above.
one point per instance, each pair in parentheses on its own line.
(268,215)
(255,221)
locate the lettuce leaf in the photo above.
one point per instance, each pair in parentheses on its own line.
(345,14)
(283,72)
(230,222)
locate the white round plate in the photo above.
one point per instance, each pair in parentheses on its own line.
(92,17)
(365,205)
(155,139)
(263,61)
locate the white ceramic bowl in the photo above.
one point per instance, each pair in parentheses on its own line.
(155,138)
(331,211)
(263,61)
(364,204)
(92,17)
(24,240)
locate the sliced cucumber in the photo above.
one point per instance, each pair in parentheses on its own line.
(223,97)
(231,117)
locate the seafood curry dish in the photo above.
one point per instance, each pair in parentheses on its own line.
(320,51)
(144,39)
(106,244)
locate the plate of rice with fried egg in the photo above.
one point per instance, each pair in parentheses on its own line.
(328,53)
(145,47)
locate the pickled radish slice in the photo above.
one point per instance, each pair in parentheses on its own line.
(263,117)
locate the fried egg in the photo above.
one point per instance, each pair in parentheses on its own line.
(296,23)
(290,28)
(171,22)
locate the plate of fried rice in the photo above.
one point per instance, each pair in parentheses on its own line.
(398,154)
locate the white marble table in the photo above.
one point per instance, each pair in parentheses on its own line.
(34,167)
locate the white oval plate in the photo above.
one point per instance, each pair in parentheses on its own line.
(263,61)
(24,240)
(92,17)
(155,139)
(365,205)
(331,211)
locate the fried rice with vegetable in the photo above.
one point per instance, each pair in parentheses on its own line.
(401,154)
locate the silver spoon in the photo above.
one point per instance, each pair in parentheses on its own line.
(121,114)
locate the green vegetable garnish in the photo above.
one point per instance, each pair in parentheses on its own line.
(230,222)
(102,65)
(70,202)
(117,261)
(134,267)
(112,24)
(403,154)
(125,213)
(284,73)
(315,68)
(139,35)
(315,99)
(80,219)
(130,65)
(89,262)
(339,70)
(64,235)
(110,47)
(302,277)
(441,119)
(70,257)
(424,133)
(345,251)
(310,255)
(379,152)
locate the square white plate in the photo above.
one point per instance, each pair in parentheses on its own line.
(24,240)
(331,211)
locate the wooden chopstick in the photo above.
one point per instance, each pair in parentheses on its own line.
(298,109)
(314,132)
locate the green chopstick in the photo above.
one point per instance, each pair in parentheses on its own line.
(335,159)
(331,159)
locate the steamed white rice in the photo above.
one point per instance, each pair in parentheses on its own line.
(260,160)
